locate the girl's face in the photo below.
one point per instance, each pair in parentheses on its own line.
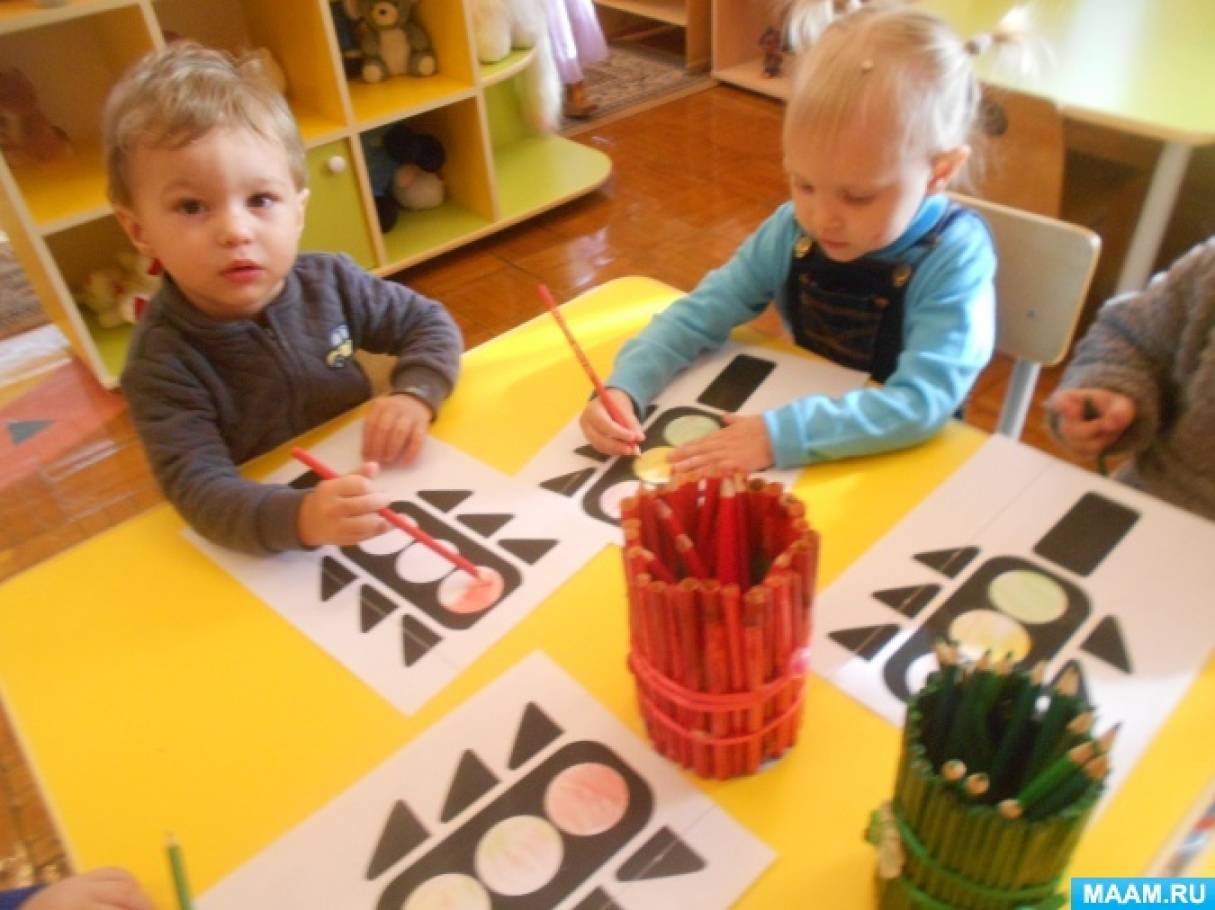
(857,193)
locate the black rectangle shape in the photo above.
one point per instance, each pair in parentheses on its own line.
(1087,533)
(735,384)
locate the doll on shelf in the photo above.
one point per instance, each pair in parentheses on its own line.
(770,43)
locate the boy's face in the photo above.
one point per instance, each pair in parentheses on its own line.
(858,193)
(223,216)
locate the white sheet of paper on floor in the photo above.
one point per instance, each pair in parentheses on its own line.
(530,789)
(1019,551)
(737,378)
(389,609)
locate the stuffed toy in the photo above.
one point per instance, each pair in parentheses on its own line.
(26,135)
(391,44)
(118,293)
(502,25)
(403,166)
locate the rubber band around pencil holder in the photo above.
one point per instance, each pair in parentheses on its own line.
(668,707)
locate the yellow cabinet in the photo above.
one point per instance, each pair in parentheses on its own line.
(499,170)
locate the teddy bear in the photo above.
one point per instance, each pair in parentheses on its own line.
(26,135)
(403,166)
(502,25)
(118,293)
(389,43)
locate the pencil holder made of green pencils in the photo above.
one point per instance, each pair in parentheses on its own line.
(720,574)
(992,794)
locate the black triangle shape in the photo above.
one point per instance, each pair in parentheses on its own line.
(908,601)
(472,781)
(597,900)
(662,856)
(1106,642)
(592,453)
(305,481)
(416,639)
(530,551)
(948,562)
(867,641)
(569,484)
(1082,688)
(374,608)
(444,500)
(334,576)
(485,525)
(536,730)
(649,412)
(402,833)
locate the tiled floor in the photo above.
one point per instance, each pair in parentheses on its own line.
(690,180)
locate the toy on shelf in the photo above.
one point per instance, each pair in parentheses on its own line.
(403,166)
(770,43)
(500,26)
(26,135)
(118,293)
(390,44)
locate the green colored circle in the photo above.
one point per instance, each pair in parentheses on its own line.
(1027,595)
(977,631)
(652,466)
(689,428)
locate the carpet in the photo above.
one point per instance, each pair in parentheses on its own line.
(19,306)
(633,78)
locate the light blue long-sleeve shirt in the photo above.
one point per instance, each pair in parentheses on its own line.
(948,336)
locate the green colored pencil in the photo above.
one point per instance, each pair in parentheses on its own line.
(1055,775)
(1062,702)
(1012,742)
(177,865)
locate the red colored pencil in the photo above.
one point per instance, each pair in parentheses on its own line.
(327,473)
(754,659)
(717,674)
(726,560)
(547,296)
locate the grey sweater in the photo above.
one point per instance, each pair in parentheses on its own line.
(1158,348)
(207,395)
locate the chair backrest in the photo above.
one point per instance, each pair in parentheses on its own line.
(1042,276)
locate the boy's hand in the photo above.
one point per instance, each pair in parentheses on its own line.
(607,435)
(742,445)
(1090,420)
(395,428)
(343,511)
(101,889)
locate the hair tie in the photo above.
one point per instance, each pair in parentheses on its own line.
(979,44)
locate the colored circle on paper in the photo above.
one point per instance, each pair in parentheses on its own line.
(450,891)
(689,428)
(609,500)
(421,565)
(586,799)
(979,631)
(459,592)
(1027,595)
(519,855)
(652,466)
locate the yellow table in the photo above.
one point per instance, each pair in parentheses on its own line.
(1141,66)
(153,693)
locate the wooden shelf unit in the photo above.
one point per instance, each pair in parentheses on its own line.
(499,169)
(693,16)
(737,57)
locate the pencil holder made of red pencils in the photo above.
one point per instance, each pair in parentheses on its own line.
(721,575)
(991,796)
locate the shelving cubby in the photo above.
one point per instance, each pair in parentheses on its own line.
(499,170)
(737,57)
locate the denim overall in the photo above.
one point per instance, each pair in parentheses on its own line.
(852,312)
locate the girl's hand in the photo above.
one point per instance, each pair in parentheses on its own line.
(395,428)
(607,435)
(343,511)
(101,889)
(1089,421)
(742,445)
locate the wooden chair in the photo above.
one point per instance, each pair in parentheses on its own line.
(1020,152)
(1045,267)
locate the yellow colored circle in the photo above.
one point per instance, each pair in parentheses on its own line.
(979,631)
(689,428)
(652,465)
(1028,596)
